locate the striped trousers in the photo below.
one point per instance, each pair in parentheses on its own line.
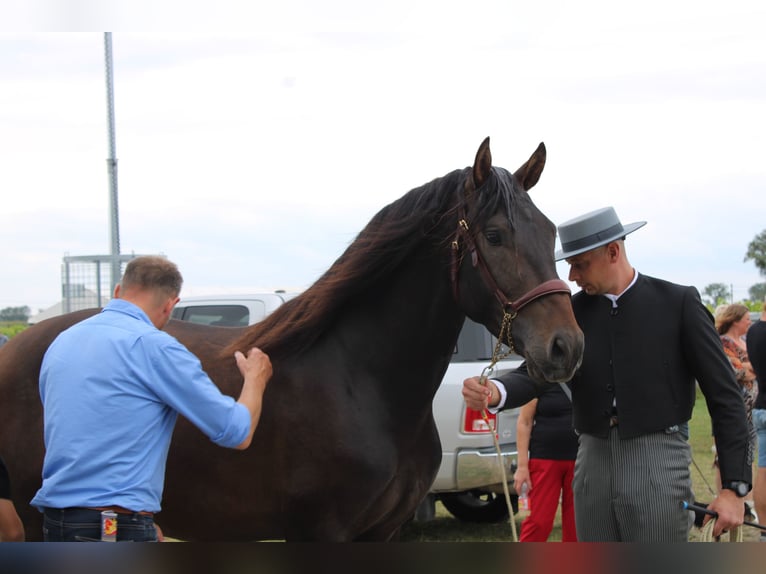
(632,490)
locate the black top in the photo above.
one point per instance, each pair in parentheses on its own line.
(553,437)
(646,355)
(5,481)
(756,352)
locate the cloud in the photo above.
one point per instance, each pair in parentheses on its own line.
(252,157)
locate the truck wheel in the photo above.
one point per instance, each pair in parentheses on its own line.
(476,506)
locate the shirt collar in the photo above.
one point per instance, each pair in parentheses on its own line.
(613,298)
(127,308)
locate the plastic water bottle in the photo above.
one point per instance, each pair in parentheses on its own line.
(524,498)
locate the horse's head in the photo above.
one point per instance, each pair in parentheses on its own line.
(505,273)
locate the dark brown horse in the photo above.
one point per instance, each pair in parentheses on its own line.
(347,446)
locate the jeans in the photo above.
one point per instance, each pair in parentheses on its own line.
(84,525)
(759,422)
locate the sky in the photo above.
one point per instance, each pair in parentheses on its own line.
(255,140)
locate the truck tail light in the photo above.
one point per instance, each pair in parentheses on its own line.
(475,423)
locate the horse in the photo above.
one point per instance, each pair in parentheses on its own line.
(346,447)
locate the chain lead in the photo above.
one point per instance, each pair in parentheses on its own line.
(505,330)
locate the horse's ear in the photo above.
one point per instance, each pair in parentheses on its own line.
(482,165)
(529,173)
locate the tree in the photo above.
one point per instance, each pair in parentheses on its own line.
(715,294)
(15,314)
(757,292)
(756,251)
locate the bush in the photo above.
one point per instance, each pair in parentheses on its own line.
(11,329)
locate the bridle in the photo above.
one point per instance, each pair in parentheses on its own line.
(510,308)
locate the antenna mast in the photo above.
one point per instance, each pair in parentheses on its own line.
(111,163)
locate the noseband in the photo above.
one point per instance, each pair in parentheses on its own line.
(510,308)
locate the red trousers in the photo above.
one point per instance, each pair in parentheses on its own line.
(551,480)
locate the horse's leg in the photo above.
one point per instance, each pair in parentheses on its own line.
(401,499)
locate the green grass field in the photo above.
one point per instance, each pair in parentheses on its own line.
(446,528)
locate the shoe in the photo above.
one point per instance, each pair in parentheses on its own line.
(750,514)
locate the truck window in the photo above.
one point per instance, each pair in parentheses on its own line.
(475,343)
(218,315)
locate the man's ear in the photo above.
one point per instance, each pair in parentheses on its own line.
(613,250)
(170,304)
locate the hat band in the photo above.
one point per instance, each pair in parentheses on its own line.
(615,231)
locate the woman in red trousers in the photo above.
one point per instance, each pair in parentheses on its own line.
(547,451)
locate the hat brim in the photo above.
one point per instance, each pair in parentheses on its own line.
(629,228)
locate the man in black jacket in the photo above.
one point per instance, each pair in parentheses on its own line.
(646,342)
(756,352)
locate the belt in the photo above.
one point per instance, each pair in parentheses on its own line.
(121,510)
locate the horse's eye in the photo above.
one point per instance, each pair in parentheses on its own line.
(493,237)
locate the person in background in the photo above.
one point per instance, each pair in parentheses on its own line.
(11,528)
(547,447)
(112,387)
(732,322)
(756,351)
(648,342)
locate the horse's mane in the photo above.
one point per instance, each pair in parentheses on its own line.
(378,250)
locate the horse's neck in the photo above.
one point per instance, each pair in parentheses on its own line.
(412,320)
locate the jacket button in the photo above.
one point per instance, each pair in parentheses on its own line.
(610,387)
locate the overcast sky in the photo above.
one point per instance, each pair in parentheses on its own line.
(253,147)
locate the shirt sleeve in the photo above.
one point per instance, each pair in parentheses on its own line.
(178,380)
(503,396)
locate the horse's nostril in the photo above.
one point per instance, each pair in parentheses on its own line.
(559,349)
(565,349)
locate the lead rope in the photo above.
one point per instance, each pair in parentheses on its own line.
(505,329)
(734,535)
(706,532)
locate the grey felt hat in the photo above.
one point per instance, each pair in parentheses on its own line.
(592,230)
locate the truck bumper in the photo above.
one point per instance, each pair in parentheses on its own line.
(481,469)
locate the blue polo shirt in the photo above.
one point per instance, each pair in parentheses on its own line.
(112,387)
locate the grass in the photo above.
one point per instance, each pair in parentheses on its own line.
(12,328)
(446,528)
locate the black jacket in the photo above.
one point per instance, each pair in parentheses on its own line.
(756,352)
(645,355)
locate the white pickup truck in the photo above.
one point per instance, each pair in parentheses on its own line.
(469,480)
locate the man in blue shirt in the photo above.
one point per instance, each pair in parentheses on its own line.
(112,387)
